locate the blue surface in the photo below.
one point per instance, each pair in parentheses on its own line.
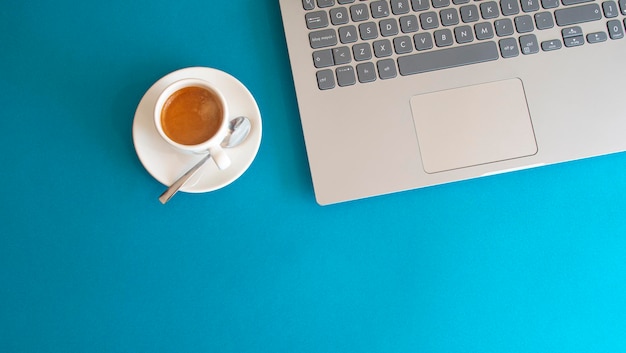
(90,261)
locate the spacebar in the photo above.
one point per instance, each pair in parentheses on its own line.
(447,58)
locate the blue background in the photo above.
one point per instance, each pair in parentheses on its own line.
(90,261)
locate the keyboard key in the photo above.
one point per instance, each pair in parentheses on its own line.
(429,20)
(359,12)
(460,2)
(596,37)
(463,34)
(345,76)
(616,31)
(423,41)
(325,79)
(325,3)
(610,9)
(342,55)
(348,34)
(440,3)
(380,9)
(572,32)
(574,2)
(316,20)
(387,69)
(388,27)
(524,24)
(449,17)
(469,13)
(323,58)
(530,5)
(574,41)
(580,14)
(508,48)
(550,45)
(400,7)
(544,20)
(443,38)
(343,2)
(484,30)
(308,4)
(489,10)
(549,4)
(529,44)
(382,48)
(420,5)
(366,72)
(368,30)
(409,24)
(622,6)
(504,27)
(362,52)
(323,38)
(447,58)
(509,7)
(403,45)
(339,16)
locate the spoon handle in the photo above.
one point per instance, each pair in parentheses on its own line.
(167,195)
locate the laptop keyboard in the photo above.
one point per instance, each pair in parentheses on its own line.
(360,41)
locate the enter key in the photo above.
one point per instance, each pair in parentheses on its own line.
(579,14)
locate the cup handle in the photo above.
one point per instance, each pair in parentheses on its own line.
(220,157)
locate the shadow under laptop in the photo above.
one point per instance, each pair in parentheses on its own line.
(283,150)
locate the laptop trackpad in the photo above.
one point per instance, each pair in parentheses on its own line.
(473,125)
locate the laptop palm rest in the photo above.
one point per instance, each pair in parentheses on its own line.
(473,125)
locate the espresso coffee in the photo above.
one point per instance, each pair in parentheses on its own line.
(192,115)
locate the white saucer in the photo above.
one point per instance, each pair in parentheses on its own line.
(166,164)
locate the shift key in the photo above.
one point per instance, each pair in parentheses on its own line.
(579,14)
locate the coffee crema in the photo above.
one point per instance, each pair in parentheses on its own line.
(192,115)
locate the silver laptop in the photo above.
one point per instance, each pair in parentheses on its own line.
(402,94)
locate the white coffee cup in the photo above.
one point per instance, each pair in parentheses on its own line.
(192,116)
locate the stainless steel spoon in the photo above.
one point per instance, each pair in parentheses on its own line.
(238,130)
